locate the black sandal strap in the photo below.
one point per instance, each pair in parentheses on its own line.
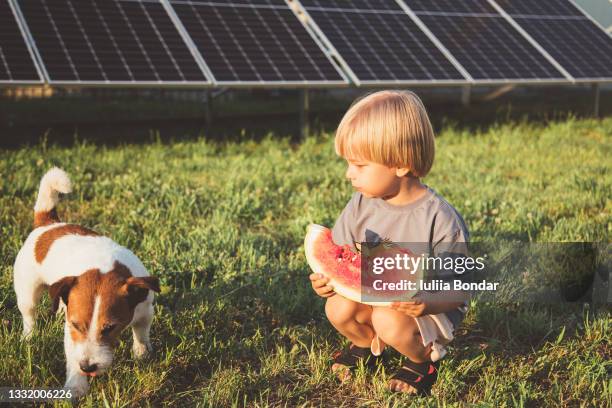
(420,376)
(352,355)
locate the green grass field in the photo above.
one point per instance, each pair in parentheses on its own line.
(237,323)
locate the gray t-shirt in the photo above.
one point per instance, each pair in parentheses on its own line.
(429,220)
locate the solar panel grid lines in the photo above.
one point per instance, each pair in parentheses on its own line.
(532,41)
(176,63)
(256,43)
(110,42)
(584,50)
(124,18)
(370,39)
(484,43)
(17,59)
(436,41)
(590,17)
(86,38)
(161,41)
(353,5)
(490,49)
(114,45)
(557,8)
(323,41)
(571,37)
(270,43)
(261,49)
(451,6)
(321,46)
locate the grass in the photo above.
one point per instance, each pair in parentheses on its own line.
(237,324)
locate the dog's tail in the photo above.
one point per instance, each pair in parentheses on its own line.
(55,181)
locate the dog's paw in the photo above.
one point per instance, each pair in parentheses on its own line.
(78,388)
(141,350)
(26,334)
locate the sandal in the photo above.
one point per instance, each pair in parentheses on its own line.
(351,356)
(420,376)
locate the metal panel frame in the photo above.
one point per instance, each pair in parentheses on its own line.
(493,82)
(25,35)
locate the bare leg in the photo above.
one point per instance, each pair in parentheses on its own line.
(402,333)
(353,321)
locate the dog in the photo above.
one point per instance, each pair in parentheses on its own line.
(101,286)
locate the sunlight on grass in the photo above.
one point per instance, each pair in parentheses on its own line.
(222,225)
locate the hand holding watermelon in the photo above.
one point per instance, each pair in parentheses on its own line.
(320,285)
(414,308)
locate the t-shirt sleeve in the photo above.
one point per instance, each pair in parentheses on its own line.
(342,232)
(453,245)
(450,244)
(449,232)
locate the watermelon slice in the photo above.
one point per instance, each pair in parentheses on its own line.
(343,267)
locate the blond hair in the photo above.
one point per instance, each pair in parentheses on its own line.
(390,128)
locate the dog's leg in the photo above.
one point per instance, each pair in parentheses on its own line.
(143,316)
(27,299)
(77,383)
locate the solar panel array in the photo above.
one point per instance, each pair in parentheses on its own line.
(483,42)
(380,42)
(569,36)
(299,42)
(109,41)
(16,61)
(255,42)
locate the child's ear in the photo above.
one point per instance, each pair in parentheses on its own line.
(402,171)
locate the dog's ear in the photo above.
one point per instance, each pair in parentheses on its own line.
(137,289)
(60,290)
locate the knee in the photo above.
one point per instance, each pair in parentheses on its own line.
(340,310)
(394,328)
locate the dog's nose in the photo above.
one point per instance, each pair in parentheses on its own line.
(88,368)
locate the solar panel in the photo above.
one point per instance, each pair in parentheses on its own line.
(483,42)
(109,41)
(16,61)
(564,32)
(380,43)
(256,42)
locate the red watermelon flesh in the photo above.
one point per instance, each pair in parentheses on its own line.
(343,267)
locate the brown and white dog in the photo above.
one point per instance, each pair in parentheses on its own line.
(103,287)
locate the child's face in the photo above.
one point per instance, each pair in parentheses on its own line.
(374,179)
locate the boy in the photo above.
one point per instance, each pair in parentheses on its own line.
(388,142)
